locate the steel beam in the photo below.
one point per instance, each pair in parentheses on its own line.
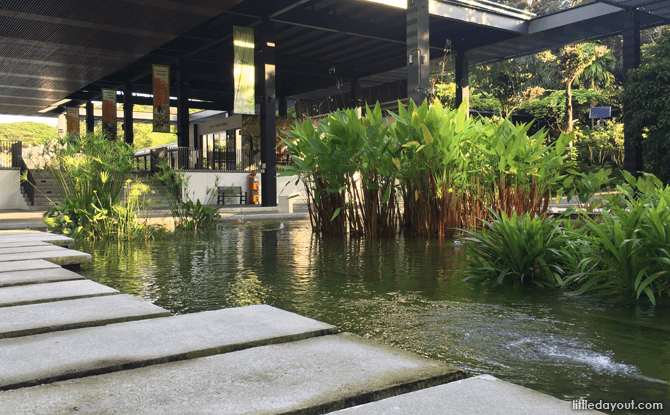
(462,81)
(633,162)
(418,50)
(266,94)
(128,107)
(477,16)
(183,90)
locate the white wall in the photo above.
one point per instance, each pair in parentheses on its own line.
(10,190)
(199,182)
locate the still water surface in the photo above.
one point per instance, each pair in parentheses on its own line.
(407,293)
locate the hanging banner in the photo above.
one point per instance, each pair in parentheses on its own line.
(161,76)
(109,113)
(244,70)
(73,122)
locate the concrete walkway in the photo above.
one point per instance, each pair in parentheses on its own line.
(69,345)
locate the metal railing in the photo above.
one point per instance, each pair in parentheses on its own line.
(10,155)
(192,159)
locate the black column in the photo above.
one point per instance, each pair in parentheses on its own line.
(283,107)
(356,100)
(418,52)
(462,82)
(631,60)
(90,117)
(183,91)
(128,120)
(265,91)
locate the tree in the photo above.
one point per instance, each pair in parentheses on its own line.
(571,62)
(647,97)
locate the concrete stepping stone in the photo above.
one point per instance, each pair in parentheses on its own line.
(24,243)
(42,358)
(71,314)
(307,377)
(55,239)
(55,274)
(65,257)
(52,291)
(29,249)
(482,394)
(29,265)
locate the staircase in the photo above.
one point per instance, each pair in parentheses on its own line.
(48,192)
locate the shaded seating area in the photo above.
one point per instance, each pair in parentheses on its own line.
(230,192)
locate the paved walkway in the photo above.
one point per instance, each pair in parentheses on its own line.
(70,345)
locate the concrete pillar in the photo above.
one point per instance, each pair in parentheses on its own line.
(128,120)
(631,59)
(462,82)
(265,91)
(418,50)
(90,117)
(183,91)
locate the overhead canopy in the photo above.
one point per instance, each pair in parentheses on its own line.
(68,49)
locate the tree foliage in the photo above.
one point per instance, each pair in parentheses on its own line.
(30,133)
(647,99)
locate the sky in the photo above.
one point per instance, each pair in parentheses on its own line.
(4,119)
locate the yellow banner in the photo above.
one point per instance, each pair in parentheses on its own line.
(244,70)
(73,122)
(161,77)
(109,113)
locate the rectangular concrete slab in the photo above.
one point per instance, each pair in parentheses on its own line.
(72,314)
(65,257)
(55,239)
(482,394)
(56,274)
(29,249)
(24,243)
(31,264)
(307,377)
(52,291)
(82,352)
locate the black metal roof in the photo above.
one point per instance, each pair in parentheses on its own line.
(53,50)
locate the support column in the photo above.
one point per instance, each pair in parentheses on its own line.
(183,92)
(128,120)
(283,107)
(418,50)
(631,59)
(265,91)
(356,98)
(90,117)
(462,82)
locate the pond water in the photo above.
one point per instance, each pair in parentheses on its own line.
(408,293)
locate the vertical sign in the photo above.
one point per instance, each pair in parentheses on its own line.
(245,90)
(109,113)
(73,122)
(161,76)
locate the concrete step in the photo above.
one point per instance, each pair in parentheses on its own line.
(65,257)
(13,278)
(43,358)
(479,395)
(32,236)
(29,265)
(311,376)
(52,291)
(23,243)
(29,249)
(73,314)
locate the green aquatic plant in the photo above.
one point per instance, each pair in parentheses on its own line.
(518,248)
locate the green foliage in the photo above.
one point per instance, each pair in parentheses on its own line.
(585,186)
(600,147)
(647,99)
(30,133)
(92,172)
(188,215)
(523,249)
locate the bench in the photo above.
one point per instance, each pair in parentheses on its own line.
(223,192)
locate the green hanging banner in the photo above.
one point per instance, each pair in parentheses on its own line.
(244,70)
(161,76)
(109,113)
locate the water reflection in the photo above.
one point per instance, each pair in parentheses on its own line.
(407,293)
